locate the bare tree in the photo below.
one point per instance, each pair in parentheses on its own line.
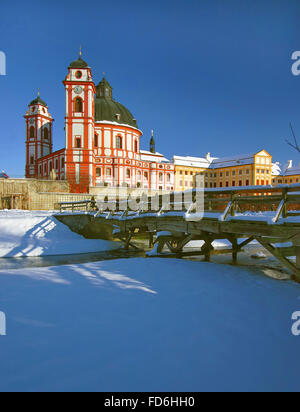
(295,144)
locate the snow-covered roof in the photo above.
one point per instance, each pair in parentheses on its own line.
(232,161)
(192,161)
(276,169)
(153,157)
(292,171)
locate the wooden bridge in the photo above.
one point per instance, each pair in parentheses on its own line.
(269,215)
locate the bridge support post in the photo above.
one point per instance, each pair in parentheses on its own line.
(234,250)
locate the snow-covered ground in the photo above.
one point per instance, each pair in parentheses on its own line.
(24,233)
(147,325)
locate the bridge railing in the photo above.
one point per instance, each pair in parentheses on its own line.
(283,200)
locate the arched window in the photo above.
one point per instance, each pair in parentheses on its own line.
(119,142)
(168,178)
(136,146)
(31,132)
(46,133)
(78,105)
(128,173)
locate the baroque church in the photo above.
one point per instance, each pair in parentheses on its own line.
(102,140)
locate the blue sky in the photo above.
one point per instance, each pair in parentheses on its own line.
(207,76)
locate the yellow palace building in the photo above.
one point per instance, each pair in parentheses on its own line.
(290,175)
(246,170)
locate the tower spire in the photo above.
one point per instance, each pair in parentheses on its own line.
(152,143)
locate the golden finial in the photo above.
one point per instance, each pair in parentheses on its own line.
(80,51)
(38,92)
(104,74)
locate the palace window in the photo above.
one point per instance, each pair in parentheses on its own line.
(78,143)
(63,162)
(46,133)
(56,164)
(119,142)
(146,175)
(98,172)
(78,75)
(108,172)
(161,177)
(78,105)
(168,178)
(128,173)
(31,160)
(31,132)
(96,140)
(50,166)
(135,146)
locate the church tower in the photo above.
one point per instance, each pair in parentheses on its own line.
(79,126)
(38,135)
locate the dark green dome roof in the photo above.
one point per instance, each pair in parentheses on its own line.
(38,100)
(79,64)
(108,109)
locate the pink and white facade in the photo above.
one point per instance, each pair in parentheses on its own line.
(102,141)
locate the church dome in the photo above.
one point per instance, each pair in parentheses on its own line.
(79,64)
(38,100)
(108,109)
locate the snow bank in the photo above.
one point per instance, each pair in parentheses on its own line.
(25,233)
(147,325)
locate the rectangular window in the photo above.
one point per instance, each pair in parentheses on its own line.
(96,140)
(221,184)
(233,183)
(32,160)
(98,172)
(247,182)
(78,142)
(240,183)
(108,172)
